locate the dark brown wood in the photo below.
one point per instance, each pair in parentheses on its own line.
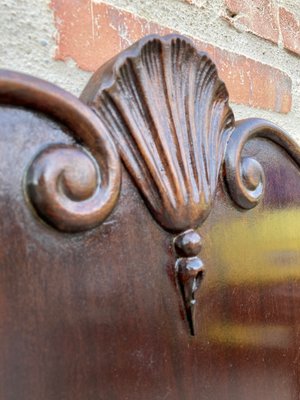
(94,311)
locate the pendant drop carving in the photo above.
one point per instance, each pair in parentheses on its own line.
(190,271)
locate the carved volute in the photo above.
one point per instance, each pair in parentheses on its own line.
(70,200)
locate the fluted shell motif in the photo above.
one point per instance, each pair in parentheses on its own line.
(167,110)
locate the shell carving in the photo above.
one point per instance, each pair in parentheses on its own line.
(167,111)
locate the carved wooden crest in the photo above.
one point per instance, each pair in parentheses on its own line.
(167,110)
(163,105)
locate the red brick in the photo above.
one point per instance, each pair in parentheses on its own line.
(290,30)
(91,34)
(255,16)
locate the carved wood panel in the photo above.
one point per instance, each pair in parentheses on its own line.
(117,207)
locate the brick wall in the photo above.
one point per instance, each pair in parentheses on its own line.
(255,44)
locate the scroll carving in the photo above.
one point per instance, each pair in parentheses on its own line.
(167,110)
(244,175)
(70,188)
